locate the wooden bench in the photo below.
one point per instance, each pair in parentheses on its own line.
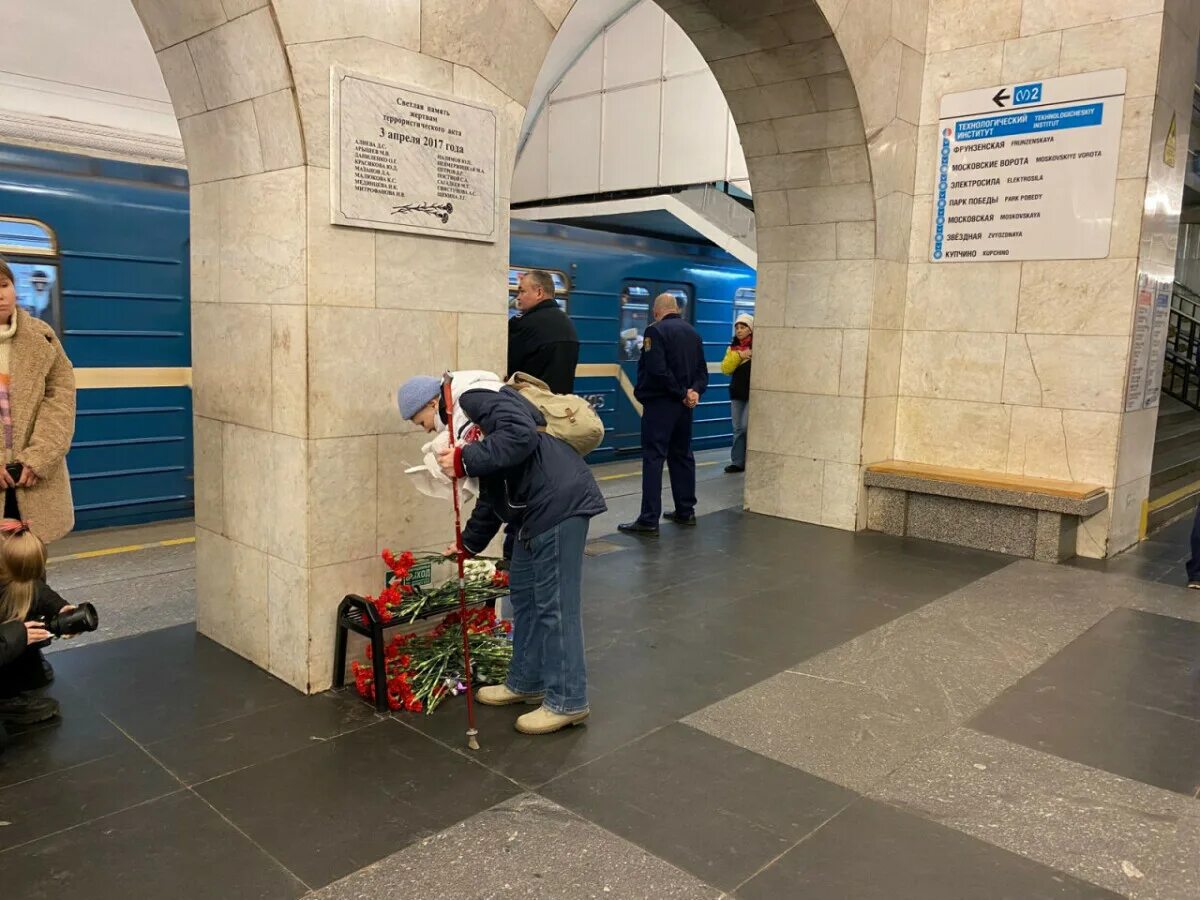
(1032,517)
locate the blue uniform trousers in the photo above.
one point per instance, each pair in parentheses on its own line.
(667,435)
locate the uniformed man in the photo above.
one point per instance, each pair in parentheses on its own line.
(672,376)
(542,341)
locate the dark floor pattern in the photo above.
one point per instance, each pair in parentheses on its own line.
(180,770)
(1134,673)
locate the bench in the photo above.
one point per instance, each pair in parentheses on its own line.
(1015,514)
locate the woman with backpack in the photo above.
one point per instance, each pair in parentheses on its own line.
(540,487)
(737,365)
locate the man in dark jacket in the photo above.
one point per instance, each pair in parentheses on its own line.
(543,491)
(672,376)
(542,341)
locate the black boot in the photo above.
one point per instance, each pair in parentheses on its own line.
(638,528)
(27,709)
(680,519)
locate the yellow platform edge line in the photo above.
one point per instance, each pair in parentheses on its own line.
(638,474)
(1168,499)
(115,551)
(1149,506)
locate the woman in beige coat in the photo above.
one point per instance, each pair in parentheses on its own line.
(37,418)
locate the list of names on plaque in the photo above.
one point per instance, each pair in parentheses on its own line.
(408,159)
(1028,171)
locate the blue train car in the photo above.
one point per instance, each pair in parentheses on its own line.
(607,282)
(100,250)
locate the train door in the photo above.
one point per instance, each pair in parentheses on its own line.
(636,304)
(32,252)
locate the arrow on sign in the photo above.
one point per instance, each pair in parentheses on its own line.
(1000,98)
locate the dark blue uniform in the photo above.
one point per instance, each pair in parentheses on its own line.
(672,362)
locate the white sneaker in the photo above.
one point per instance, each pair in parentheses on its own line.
(500,695)
(545,721)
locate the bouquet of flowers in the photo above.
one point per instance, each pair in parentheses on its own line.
(401,599)
(423,671)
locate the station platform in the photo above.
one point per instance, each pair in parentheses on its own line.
(778,711)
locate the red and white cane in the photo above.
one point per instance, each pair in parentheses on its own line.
(461,553)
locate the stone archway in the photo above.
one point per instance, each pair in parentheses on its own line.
(301,330)
(826,97)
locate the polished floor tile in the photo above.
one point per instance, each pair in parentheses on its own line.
(525,847)
(1134,673)
(45,805)
(872,851)
(168,682)
(813,663)
(79,735)
(1132,838)
(251,739)
(335,807)
(172,847)
(706,806)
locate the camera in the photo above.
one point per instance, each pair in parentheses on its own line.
(14,471)
(82,618)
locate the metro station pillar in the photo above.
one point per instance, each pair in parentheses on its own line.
(302,329)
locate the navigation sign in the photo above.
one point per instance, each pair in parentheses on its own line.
(1037,178)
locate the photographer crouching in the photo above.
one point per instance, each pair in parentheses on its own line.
(31,615)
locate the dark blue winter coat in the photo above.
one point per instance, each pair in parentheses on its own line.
(672,361)
(527,479)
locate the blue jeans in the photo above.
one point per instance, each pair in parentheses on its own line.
(546,586)
(740,413)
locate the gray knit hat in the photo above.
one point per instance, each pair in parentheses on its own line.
(415,393)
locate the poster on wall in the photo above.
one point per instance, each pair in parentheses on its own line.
(1157,354)
(1028,171)
(1139,352)
(409,159)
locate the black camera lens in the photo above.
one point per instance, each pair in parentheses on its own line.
(77,621)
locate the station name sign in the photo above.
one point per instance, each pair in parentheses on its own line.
(1028,171)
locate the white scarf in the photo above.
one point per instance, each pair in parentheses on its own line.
(428,477)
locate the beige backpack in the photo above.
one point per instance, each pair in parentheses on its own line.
(568,417)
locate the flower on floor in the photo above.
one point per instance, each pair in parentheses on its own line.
(423,670)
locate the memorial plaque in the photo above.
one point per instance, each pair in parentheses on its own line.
(1028,171)
(411,159)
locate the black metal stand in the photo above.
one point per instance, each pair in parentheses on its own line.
(355,614)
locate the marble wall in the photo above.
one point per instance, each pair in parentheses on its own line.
(1020,367)
(301,331)
(825,96)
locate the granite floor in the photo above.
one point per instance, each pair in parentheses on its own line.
(778,711)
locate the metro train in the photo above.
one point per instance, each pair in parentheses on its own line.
(101,251)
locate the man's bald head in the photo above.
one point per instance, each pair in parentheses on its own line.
(664,305)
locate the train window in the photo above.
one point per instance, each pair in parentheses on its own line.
(637,300)
(744,299)
(26,237)
(562,288)
(30,249)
